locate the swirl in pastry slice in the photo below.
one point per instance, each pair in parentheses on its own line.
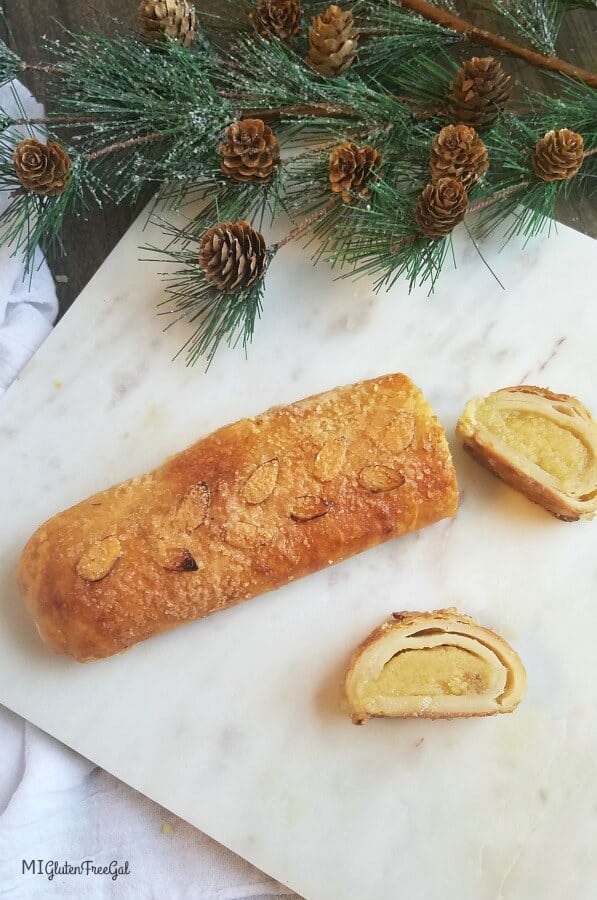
(438,665)
(540,443)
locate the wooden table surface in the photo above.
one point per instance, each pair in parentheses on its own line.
(88,243)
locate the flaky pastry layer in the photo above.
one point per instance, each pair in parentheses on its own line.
(436,665)
(542,444)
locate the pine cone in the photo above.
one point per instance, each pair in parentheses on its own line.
(351,170)
(281,17)
(233,255)
(441,207)
(458,152)
(333,41)
(558,155)
(250,152)
(42,168)
(480,91)
(175,19)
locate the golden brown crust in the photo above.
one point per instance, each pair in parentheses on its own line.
(247,509)
(497,457)
(412,624)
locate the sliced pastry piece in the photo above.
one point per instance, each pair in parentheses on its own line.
(540,443)
(437,665)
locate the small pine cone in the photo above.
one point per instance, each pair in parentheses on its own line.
(441,207)
(233,255)
(558,155)
(458,152)
(480,91)
(42,168)
(175,19)
(333,41)
(250,152)
(281,17)
(351,170)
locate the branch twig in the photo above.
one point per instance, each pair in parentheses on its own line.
(306,223)
(303,109)
(54,120)
(124,145)
(501,195)
(41,67)
(489,39)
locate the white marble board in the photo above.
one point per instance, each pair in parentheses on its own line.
(235,723)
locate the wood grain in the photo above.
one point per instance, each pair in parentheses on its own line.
(87,243)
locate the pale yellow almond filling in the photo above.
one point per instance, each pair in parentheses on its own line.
(556,450)
(429,672)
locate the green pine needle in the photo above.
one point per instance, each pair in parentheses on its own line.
(136,115)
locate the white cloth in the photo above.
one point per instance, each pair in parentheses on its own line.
(55,805)
(28,305)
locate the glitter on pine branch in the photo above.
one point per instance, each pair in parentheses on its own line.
(270,77)
(132,92)
(393,38)
(538,22)
(136,115)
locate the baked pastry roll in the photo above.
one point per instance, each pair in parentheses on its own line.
(540,443)
(436,665)
(245,510)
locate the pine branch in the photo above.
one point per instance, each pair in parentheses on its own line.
(135,115)
(10,63)
(31,220)
(509,192)
(219,317)
(485,38)
(538,21)
(132,94)
(567,102)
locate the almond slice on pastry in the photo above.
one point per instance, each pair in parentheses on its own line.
(437,665)
(540,443)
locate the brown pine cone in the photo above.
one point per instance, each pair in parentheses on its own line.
(558,155)
(351,170)
(458,152)
(281,17)
(441,207)
(233,255)
(250,152)
(42,168)
(333,41)
(480,91)
(175,19)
